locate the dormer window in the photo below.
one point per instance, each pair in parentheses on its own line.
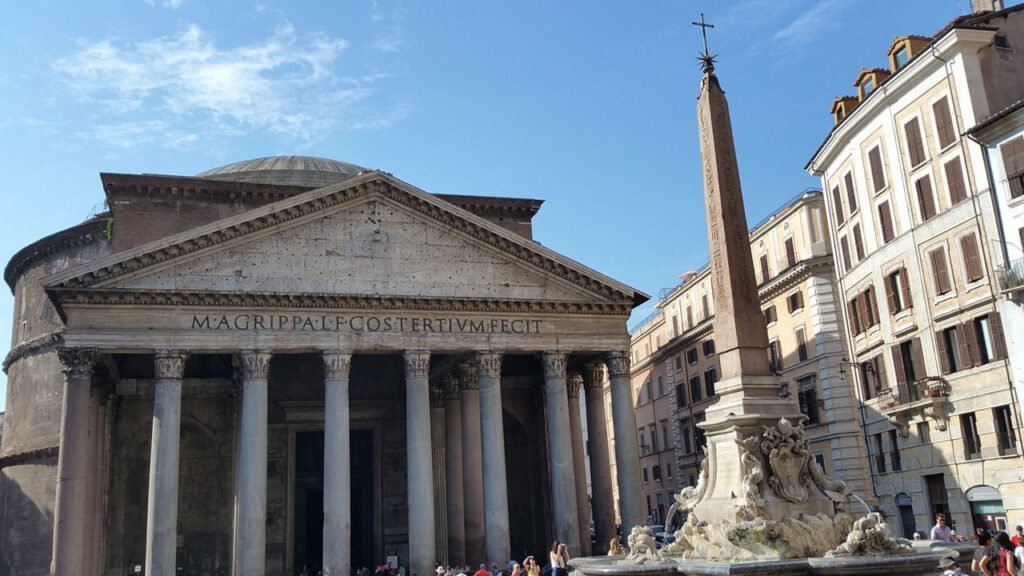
(903,49)
(868,80)
(867,86)
(901,57)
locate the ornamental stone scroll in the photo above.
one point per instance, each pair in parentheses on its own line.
(417,363)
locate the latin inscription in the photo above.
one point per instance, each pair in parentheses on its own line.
(363,323)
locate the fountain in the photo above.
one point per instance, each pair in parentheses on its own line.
(762,504)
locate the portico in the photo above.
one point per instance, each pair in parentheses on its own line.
(341,311)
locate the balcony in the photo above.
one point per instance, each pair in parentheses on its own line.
(1011,277)
(925,399)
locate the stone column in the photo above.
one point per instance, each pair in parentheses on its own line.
(162,515)
(472,471)
(419,475)
(563,477)
(601,504)
(455,504)
(492,436)
(251,480)
(627,452)
(437,448)
(574,382)
(337,469)
(71,539)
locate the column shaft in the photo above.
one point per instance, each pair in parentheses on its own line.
(437,447)
(456,506)
(251,480)
(162,516)
(601,504)
(563,478)
(495,479)
(337,559)
(579,457)
(472,456)
(419,475)
(627,453)
(71,540)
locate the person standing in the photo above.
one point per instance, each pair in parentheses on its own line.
(984,542)
(1018,538)
(1000,559)
(559,562)
(940,532)
(482,571)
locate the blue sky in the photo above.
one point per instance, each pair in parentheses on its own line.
(587,105)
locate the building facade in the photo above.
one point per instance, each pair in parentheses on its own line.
(796,279)
(911,218)
(365,370)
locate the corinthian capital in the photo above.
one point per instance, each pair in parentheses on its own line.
(450,385)
(336,365)
(593,375)
(254,363)
(618,363)
(469,376)
(169,364)
(417,364)
(573,382)
(554,365)
(76,362)
(490,364)
(436,397)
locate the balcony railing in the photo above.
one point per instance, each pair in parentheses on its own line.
(925,398)
(1011,277)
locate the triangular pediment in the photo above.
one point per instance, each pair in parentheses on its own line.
(370,237)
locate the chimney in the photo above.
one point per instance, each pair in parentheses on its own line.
(986,5)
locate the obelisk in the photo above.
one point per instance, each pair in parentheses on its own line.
(750,395)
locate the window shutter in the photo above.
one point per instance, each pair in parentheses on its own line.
(925,200)
(897,363)
(858,242)
(764,268)
(851,194)
(963,347)
(940,272)
(955,181)
(971,341)
(972,260)
(940,343)
(919,371)
(790,252)
(1013,156)
(877,175)
(915,149)
(943,123)
(890,295)
(873,303)
(844,247)
(851,312)
(800,299)
(837,201)
(862,310)
(885,218)
(995,325)
(879,374)
(905,287)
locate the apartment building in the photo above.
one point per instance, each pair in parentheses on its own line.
(911,220)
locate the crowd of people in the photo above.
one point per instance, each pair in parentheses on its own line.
(557,565)
(996,554)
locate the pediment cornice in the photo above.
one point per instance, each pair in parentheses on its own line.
(108,271)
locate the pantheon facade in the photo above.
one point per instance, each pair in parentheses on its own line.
(295,363)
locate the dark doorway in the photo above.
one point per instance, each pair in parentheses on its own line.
(309,500)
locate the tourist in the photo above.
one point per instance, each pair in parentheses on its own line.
(517,570)
(1018,538)
(1000,560)
(917,535)
(531,566)
(614,548)
(1018,552)
(949,566)
(482,571)
(984,540)
(940,531)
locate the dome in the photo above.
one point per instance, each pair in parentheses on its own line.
(286,170)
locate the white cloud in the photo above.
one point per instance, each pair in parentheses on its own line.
(810,24)
(188,86)
(172,4)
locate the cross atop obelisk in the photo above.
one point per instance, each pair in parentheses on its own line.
(706,57)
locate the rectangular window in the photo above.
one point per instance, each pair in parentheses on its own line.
(885,221)
(897,291)
(668,470)
(940,271)
(901,57)
(770,315)
(879,454)
(691,356)
(870,372)
(894,452)
(795,301)
(801,345)
(648,496)
(952,349)
(664,434)
(851,194)
(853,308)
(709,347)
(695,395)
(909,366)
(710,377)
(650,392)
(685,432)
(675,326)
(877,172)
(938,498)
(679,361)
(698,433)
(988,338)
(870,307)
(972,257)
(680,396)
(656,473)
(969,433)
(705,306)
(925,199)
(1013,162)
(661,387)
(858,242)
(689,317)
(765,275)
(654,437)
(944,123)
(955,181)
(915,146)
(924,432)
(844,247)
(790,253)
(775,356)
(807,395)
(1005,434)
(837,202)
